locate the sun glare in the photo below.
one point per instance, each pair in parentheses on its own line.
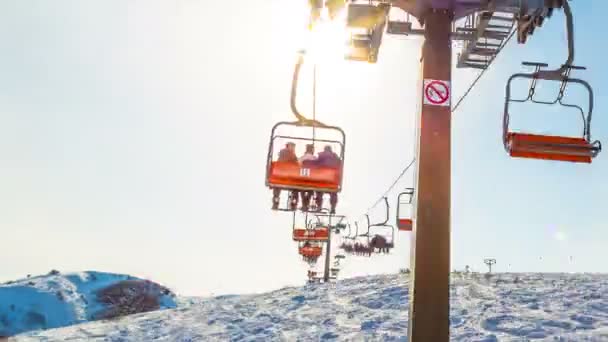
(324,44)
(327,41)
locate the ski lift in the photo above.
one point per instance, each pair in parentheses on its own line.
(311,232)
(325,218)
(294,176)
(365,23)
(334,271)
(551,147)
(310,251)
(317,234)
(348,240)
(380,242)
(404,221)
(287,173)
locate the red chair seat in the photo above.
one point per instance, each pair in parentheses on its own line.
(293,176)
(319,234)
(549,147)
(405,224)
(311,252)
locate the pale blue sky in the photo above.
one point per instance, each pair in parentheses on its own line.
(133,137)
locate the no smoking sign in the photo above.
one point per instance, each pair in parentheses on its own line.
(436,93)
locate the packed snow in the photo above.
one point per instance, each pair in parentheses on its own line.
(57,300)
(503,307)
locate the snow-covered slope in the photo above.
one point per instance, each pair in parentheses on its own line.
(57,300)
(507,307)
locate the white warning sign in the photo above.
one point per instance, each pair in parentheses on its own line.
(436,92)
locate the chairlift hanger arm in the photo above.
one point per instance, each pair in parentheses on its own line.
(348,235)
(302,120)
(559,73)
(368,225)
(387,213)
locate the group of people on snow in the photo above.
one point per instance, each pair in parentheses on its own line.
(326,158)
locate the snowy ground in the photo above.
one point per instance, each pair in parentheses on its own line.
(57,300)
(508,307)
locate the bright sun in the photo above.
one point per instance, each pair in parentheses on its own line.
(324,44)
(327,41)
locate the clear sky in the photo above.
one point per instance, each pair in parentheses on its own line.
(133,137)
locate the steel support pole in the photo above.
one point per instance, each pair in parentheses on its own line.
(429,319)
(327,252)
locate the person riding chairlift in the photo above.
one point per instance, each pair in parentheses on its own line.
(307,160)
(330,159)
(287,155)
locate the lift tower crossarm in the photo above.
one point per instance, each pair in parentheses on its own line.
(462,8)
(485,26)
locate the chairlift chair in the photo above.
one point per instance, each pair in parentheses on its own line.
(379,241)
(290,175)
(348,240)
(405,222)
(311,232)
(326,218)
(579,149)
(295,177)
(320,234)
(310,253)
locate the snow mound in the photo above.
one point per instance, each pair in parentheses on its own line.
(57,300)
(504,307)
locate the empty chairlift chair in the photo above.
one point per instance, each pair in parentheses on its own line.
(404,210)
(578,149)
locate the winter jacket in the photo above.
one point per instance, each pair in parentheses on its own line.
(286,155)
(328,159)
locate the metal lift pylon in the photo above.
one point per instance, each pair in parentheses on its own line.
(430,255)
